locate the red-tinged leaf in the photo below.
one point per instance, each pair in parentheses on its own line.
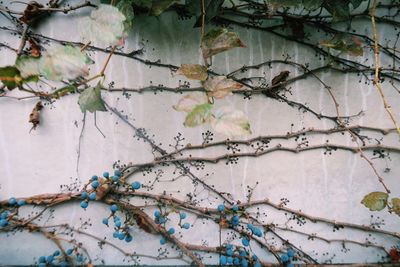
(394,254)
(142,223)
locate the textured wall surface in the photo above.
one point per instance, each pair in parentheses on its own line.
(330,186)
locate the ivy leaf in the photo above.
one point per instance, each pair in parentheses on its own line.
(189,101)
(230,122)
(220,86)
(28,66)
(159,6)
(219,40)
(312,4)
(199,115)
(339,9)
(193,71)
(212,9)
(126,8)
(64,62)
(375,201)
(105,26)
(10,77)
(396,205)
(90,100)
(345,43)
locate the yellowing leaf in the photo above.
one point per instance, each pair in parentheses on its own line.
(396,205)
(90,100)
(28,66)
(230,122)
(189,101)
(199,115)
(105,26)
(193,71)
(345,43)
(10,77)
(219,40)
(64,62)
(159,6)
(375,201)
(220,86)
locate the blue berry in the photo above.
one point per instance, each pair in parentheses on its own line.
(221,207)
(257,264)
(106,174)
(128,238)
(245,241)
(244,263)
(118,224)
(157,213)
(250,226)
(115,178)
(69,251)
(186,226)
(236,261)
(79,258)
(290,253)
(163,220)
(229,246)
(117,173)
(42,264)
(95,177)
(21,202)
(116,218)
(163,241)
(284,258)
(105,221)
(92,196)
(121,236)
(95,184)
(171,231)
(64,264)
(136,185)
(12,201)
(257,232)
(3,222)
(4,215)
(42,259)
(229,260)
(235,208)
(84,204)
(115,234)
(222,260)
(254,257)
(182,215)
(242,253)
(113,208)
(56,253)
(50,259)
(84,195)
(229,252)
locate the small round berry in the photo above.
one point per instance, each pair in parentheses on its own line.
(64,264)
(244,263)
(284,258)
(84,195)
(121,236)
(4,215)
(171,231)
(221,207)
(257,232)
(105,221)
(116,218)
(229,252)
(257,264)
(3,222)
(95,184)
(250,226)
(163,220)
(186,226)
(229,246)
(115,234)
(79,258)
(69,251)
(245,241)
(92,196)
(235,208)
(128,238)
(222,260)
(157,213)
(21,202)
(163,241)
(56,253)
(242,253)
(12,201)
(229,260)
(118,224)
(113,208)
(42,259)
(117,173)
(84,204)
(290,253)
(136,185)
(95,177)
(115,178)
(254,257)
(236,261)
(106,175)
(182,215)
(50,259)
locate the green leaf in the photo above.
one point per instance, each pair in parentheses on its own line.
(356,3)
(212,9)
(347,43)
(28,66)
(190,101)
(199,115)
(90,100)
(375,201)
(193,71)
(339,9)
(159,6)
(230,122)
(64,91)
(126,8)
(220,86)
(10,77)
(105,26)
(396,205)
(219,40)
(64,62)
(312,4)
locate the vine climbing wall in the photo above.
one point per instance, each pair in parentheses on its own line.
(272,151)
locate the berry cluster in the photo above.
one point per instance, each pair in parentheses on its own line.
(4,219)
(287,258)
(60,260)
(121,231)
(238,257)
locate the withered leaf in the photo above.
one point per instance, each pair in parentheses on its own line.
(34,117)
(193,71)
